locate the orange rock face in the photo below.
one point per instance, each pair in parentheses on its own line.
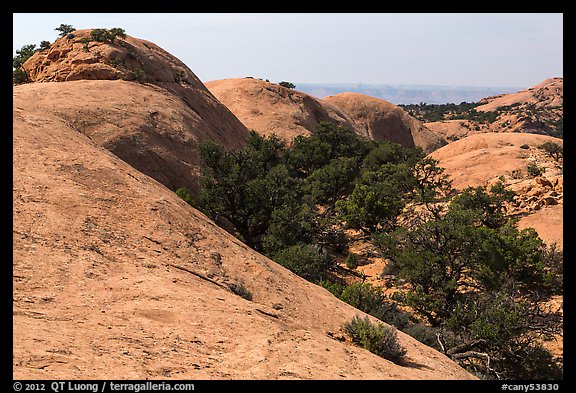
(382,120)
(134,99)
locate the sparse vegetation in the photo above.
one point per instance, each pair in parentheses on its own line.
(287,85)
(333,287)
(44,45)
(376,338)
(351,261)
(105,35)
(472,273)
(305,261)
(554,150)
(439,112)
(18,74)
(367,298)
(528,115)
(85,41)
(22,55)
(183,193)
(534,169)
(138,74)
(517,174)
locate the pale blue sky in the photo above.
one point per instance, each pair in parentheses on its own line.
(470,49)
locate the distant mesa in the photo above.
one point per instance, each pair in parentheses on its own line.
(382,120)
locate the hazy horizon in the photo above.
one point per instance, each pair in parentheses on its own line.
(465,50)
(407,93)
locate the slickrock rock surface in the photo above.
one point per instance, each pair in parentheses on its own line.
(154,123)
(117,277)
(383,120)
(269,108)
(537,110)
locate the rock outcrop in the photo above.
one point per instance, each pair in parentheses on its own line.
(536,110)
(136,100)
(382,120)
(269,108)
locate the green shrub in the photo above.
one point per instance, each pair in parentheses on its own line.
(44,45)
(85,41)
(138,74)
(334,287)
(105,35)
(376,338)
(117,32)
(22,55)
(534,169)
(19,76)
(538,364)
(287,85)
(351,261)
(64,29)
(516,174)
(288,226)
(305,261)
(365,297)
(554,150)
(424,333)
(371,300)
(183,193)
(333,238)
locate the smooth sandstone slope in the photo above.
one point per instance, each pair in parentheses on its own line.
(269,108)
(383,120)
(115,277)
(135,99)
(474,160)
(549,93)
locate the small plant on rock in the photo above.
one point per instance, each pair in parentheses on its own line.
(64,29)
(44,45)
(554,150)
(287,85)
(241,290)
(534,169)
(376,338)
